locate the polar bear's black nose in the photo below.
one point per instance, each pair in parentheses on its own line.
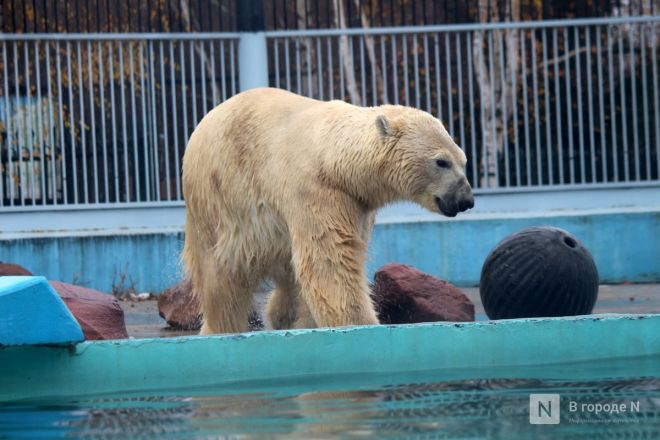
(466,203)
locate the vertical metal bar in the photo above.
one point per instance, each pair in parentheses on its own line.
(450,96)
(166,138)
(145,123)
(578,81)
(331,76)
(127,189)
(383,68)
(10,132)
(319,67)
(473,136)
(92,119)
(223,76)
(569,107)
(310,83)
(656,98)
(72,128)
(154,122)
(342,82)
(590,106)
(134,118)
(363,81)
(505,115)
(276,47)
(482,114)
(528,158)
(374,85)
(287,64)
(427,73)
(40,126)
(113,111)
(601,105)
(103,134)
(51,125)
(28,117)
(633,96)
(232,64)
(395,74)
(560,141)
(404,42)
(613,132)
(175,121)
(184,101)
(20,129)
(416,71)
(645,103)
(459,74)
(546,101)
(214,88)
(491,79)
(202,69)
(193,84)
(537,126)
(60,117)
(624,121)
(438,84)
(353,90)
(82,125)
(7,124)
(298,67)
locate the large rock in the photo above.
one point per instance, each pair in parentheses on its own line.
(179,307)
(403,294)
(10,269)
(99,314)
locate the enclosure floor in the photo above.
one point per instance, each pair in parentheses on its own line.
(143,321)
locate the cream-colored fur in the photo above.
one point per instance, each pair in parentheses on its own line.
(285,188)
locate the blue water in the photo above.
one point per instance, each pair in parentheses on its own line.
(415,407)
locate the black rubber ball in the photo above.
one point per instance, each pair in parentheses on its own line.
(538,272)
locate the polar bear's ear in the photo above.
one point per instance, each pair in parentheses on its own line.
(384,126)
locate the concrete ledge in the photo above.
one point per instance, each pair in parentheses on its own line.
(462,351)
(31,312)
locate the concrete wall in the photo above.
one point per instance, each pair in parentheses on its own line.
(625,244)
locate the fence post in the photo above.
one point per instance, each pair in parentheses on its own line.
(252,49)
(252,61)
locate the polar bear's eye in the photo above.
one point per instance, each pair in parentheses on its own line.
(441,163)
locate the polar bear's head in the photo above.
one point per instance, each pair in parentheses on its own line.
(424,162)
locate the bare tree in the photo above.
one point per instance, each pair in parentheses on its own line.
(340,22)
(494,82)
(371,52)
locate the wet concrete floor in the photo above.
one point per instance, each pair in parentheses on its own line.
(142,320)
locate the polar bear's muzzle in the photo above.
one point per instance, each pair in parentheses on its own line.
(457,199)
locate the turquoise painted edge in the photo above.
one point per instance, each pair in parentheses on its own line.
(475,350)
(31,312)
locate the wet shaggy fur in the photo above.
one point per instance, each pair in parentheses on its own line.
(284,188)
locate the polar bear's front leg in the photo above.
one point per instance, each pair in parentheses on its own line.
(328,258)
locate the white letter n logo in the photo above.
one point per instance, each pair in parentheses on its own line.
(544,409)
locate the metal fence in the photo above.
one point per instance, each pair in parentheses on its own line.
(103,119)
(536,104)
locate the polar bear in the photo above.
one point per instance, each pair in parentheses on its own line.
(285,188)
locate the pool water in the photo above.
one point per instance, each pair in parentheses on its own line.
(420,405)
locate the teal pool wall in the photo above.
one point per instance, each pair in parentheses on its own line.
(625,246)
(518,348)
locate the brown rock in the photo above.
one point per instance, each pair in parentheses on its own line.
(98,314)
(403,294)
(179,307)
(10,269)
